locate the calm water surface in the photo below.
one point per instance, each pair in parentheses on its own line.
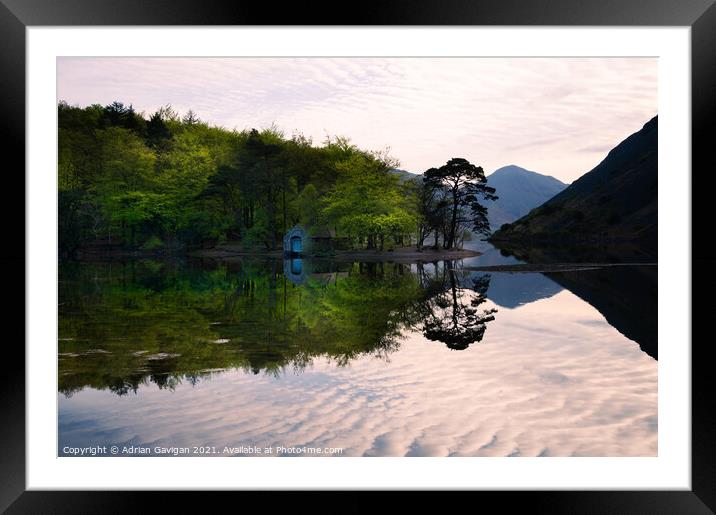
(374,359)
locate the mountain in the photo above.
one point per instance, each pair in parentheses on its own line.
(404,175)
(519,191)
(615,202)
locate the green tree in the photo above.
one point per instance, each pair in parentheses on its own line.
(263,159)
(308,207)
(190,118)
(183,173)
(366,201)
(126,163)
(158,134)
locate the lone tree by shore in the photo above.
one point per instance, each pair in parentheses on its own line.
(452,193)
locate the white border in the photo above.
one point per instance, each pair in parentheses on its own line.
(671,469)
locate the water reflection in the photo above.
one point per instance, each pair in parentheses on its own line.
(124,324)
(627,296)
(510,290)
(451,315)
(293,270)
(381,359)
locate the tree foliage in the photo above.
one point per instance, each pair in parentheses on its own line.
(126,179)
(464,184)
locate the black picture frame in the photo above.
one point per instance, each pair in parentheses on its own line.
(16,15)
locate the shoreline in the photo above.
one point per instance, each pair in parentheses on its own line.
(549,267)
(397,255)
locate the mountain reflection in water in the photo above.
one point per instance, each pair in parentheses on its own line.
(379,358)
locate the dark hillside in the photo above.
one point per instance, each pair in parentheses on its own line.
(614,202)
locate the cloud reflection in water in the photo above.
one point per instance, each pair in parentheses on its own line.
(551,378)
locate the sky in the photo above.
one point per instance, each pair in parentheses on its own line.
(556,116)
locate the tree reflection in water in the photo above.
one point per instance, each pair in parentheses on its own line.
(450,313)
(123,325)
(455,322)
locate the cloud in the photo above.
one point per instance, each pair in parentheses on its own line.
(489,110)
(599,149)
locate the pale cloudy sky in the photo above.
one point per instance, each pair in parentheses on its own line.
(557,116)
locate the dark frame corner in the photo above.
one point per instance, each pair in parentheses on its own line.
(700,15)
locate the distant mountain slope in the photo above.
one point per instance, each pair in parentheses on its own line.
(614,202)
(519,191)
(404,175)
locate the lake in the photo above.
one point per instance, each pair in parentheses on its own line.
(307,357)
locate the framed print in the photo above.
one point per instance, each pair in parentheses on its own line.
(444,248)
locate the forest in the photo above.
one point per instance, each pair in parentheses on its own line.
(167,182)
